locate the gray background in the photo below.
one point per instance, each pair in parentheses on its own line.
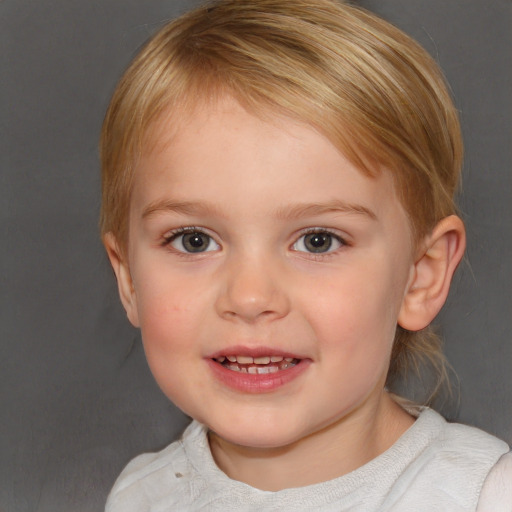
(76,398)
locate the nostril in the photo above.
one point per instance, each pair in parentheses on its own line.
(251,293)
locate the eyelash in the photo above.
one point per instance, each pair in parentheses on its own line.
(170,237)
(322,255)
(175,234)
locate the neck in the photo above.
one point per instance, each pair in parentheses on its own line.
(333,451)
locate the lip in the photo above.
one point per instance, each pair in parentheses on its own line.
(242,350)
(256,383)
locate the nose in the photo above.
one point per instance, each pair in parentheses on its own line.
(252,290)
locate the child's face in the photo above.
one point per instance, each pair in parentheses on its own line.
(257,239)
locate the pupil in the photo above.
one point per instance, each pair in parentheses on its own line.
(318,242)
(195,242)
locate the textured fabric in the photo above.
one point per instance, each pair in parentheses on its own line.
(434,466)
(496,495)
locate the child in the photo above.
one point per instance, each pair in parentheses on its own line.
(278,181)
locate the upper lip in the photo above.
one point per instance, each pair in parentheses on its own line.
(259,351)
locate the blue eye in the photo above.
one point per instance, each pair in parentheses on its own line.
(192,241)
(318,242)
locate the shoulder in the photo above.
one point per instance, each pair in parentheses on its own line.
(461,443)
(496,495)
(150,477)
(452,465)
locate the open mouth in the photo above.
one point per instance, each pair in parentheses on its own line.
(257,365)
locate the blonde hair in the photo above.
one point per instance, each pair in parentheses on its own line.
(371,89)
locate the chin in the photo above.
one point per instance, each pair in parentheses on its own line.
(257,436)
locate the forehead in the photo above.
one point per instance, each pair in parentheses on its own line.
(222,150)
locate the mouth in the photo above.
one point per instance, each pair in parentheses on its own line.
(256,369)
(260,365)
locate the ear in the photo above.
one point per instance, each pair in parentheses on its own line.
(124,278)
(432,274)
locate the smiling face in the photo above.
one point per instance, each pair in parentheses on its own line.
(266,274)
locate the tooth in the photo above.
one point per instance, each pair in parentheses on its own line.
(288,359)
(221,359)
(232,359)
(276,359)
(243,370)
(267,369)
(234,367)
(244,359)
(252,369)
(262,360)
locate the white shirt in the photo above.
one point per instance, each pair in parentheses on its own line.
(433,466)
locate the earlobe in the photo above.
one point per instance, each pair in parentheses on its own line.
(124,279)
(432,274)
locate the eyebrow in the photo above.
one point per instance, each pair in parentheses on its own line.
(182,208)
(296,211)
(312,209)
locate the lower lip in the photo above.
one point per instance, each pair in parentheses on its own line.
(257,383)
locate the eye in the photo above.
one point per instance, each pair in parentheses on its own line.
(192,241)
(318,242)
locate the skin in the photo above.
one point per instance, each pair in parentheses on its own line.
(254,187)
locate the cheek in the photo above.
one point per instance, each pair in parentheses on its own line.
(353,304)
(167,313)
(354,320)
(169,335)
